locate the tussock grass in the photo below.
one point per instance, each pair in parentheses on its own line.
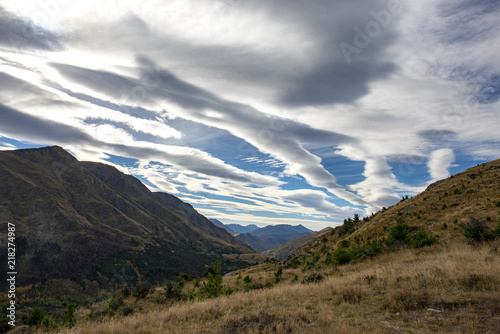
(434,290)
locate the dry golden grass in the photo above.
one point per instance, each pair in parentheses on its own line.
(441,289)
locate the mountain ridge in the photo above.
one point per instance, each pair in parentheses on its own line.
(85,219)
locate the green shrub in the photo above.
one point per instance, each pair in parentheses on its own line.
(313,278)
(497,230)
(141,290)
(400,232)
(126,292)
(371,248)
(341,256)
(69,315)
(113,304)
(36,316)
(49,325)
(421,239)
(172,291)
(213,287)
(278,274)
(476,231)
(126,310)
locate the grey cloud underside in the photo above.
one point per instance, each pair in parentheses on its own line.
(160,84)
(331,79)
(19,33)
(31,128)
(437,137)
(336,82)
(322,77)
(270,134)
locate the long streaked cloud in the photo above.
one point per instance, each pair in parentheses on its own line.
(274,135)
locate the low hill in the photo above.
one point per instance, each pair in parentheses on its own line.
(282,251)
(89,222)
(442,211)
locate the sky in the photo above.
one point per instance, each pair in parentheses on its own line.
(258,111)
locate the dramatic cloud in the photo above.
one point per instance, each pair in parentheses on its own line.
(20,33)
(440,162)
(258,111)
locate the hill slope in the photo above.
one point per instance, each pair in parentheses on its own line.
(88,220)
(441,211)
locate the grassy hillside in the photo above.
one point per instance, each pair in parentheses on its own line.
(442,211)
(387,283)
(441,289)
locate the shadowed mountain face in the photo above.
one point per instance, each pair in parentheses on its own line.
(218,223)
(88,220)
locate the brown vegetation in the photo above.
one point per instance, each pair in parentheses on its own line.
(440,289)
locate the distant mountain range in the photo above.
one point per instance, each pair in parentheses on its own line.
(86,220)
(265,238)
(234,228)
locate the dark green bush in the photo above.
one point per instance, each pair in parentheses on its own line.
(278,274)
(341,256)
(172,291)
(69,315)
(400,232)
(113,304)
(476,231)
(126,292)
(141,290)
(421,239)
(313,278)
(213,287)
(36,316)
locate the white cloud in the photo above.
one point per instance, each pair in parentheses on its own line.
(440,161)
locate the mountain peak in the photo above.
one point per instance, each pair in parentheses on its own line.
(46,154)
